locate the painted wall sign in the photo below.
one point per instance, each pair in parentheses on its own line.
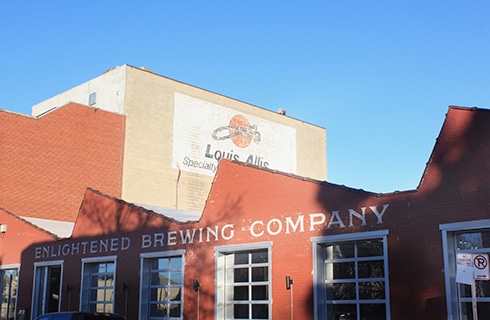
(83,248)
(205,132)
(257,229)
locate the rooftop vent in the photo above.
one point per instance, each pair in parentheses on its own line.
(281,111)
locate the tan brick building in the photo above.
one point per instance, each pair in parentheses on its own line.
(175,134)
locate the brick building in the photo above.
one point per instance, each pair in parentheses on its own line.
(173,129)
(133,135)
(350,254)
(46,163)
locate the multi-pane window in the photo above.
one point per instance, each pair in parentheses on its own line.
(47,287)
(353,277)
(468,237)
(163,285)
(8,283)
(98,286)
(474,242)
(243,284)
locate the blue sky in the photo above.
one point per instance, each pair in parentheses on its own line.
(378,75)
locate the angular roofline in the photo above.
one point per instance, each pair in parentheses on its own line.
(136,206)
(217,93)
(311,180)
(45,113)
(32,225)
(15,113)
(431,156)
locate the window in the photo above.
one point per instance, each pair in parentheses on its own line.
(351,276)
(8,283)
(244,289)
(465,237)
(162,285)
(92,98)
(98,284)
(47,287)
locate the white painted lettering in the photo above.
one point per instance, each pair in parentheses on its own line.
(158,239)
(252,229)
(84,245)
(314,222)
(299,223)
(66,249)
(103,245)
(114,244)
(145,241)
(378,214)
(172,238)
(213,232)
(230,235)
(335,219)
(278,228)
(125,243)
(361,216)
(200,234)
(75,248)
(188,237)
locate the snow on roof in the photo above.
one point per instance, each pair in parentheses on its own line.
(62,229)
(176,214)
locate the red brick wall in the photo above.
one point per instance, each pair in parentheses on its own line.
(47,163)
(455,188)
(19,235)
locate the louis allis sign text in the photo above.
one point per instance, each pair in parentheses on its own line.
(205,133)
(257,229)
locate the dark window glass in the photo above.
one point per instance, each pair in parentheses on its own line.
(259,292)
(370,269)
(260,274)
(370,248)
(260,311)
(372,290)
(344,270)
(260,256)
(241,258)
(241,275)
(240,293)
(240,311)
(341,291)
(373,311)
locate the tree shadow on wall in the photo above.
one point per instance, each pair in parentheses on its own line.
(454,188)
(110,227)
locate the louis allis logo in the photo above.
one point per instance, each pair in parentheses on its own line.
(239,130)
(241,133)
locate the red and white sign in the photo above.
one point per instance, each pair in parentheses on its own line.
(470,267)
(464,268)
(480,267)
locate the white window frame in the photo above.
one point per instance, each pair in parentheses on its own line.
(35,296)
(220,252)
(13,267)
(85,305)
(319,287)
(448,231)
(145,282)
